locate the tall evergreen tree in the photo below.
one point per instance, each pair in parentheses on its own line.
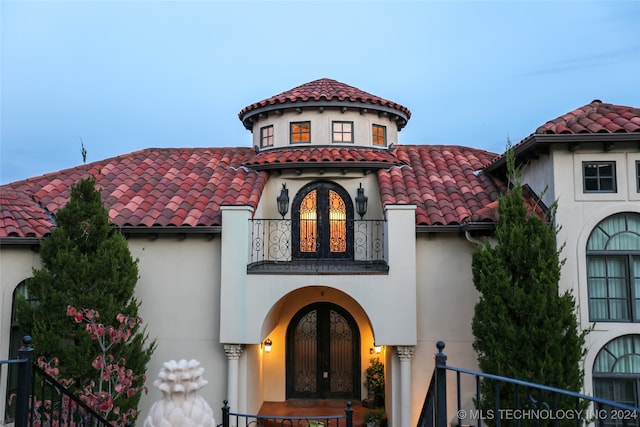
(523,326)
(85,264)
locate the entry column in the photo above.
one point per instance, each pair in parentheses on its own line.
(233,352)
(405,353)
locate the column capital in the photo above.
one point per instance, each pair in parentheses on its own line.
(233,351)
(405,352)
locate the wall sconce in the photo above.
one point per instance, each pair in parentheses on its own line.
(283,201)
(267,345)
(361,202)
(377,349)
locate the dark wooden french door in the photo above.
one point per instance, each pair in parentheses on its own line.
(322,222)
(323,360)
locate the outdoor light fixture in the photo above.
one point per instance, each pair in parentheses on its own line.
(361,202)
(377,349)
(283,201)
(267,345)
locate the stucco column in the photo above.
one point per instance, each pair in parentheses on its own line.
(233,352)
(405,353)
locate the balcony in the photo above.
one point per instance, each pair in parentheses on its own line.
(272,250)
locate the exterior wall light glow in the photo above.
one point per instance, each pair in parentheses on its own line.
(361,202)
(283,201)
(377,349)
(267,345)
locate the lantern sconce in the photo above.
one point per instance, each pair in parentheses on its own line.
(377,349)
(361,202)
(283,201)
(267,345)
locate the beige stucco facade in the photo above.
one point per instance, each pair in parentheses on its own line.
(183,279)
(578,214)
(201,300)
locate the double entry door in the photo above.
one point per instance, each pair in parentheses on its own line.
(323,353)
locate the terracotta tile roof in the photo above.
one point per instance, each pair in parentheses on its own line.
(596,117)
(318,156)
(153,187)
(22,216)
(324,90)
(186,187)
(444,183)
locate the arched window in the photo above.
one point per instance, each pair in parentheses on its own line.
(613,269)
(616,373)
(15,342)
(322,222)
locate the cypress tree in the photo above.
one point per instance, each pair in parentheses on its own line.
(523,327)
(85,264)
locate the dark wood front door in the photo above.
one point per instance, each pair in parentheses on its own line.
(323,359)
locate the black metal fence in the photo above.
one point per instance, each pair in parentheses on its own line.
(41,401)
(529,404)
(272,245)
(230,419)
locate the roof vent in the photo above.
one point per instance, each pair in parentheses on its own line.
(596,100)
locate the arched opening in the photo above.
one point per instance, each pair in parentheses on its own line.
(323,353)
(613,269)
(322,222)
(616,374)
(16,335)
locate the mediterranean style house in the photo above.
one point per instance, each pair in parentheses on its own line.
(286,266)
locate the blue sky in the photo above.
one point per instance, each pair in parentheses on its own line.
(120,76)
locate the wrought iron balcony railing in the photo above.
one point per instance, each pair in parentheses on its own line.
(272,250)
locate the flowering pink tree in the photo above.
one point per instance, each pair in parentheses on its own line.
(115,382)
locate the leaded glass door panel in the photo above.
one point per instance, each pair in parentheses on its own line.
(323,359)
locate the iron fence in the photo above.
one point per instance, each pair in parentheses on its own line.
(530,404)
(41,401)
(272,245)
(230,419)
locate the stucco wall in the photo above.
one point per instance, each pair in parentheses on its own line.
(446,298)
(321,132)
(578,213)
(16,265)
(179,288)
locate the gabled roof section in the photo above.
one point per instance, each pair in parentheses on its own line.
(324,92)
(444,182)
(594,122)
(596,117)
(314,157)
(149,188)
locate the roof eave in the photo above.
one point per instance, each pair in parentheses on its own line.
(164,230)
(322,165)
(538,139)
(20,241)
(457,228)
(401,120)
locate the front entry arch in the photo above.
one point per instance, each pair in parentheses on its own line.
(323,353)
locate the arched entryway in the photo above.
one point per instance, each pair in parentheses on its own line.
(323,353)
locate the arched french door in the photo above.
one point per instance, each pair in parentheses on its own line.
(323,353)
(322,222)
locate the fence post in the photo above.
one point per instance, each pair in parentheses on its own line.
(25,373)
(349,412)
(441,386)
(225,414)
